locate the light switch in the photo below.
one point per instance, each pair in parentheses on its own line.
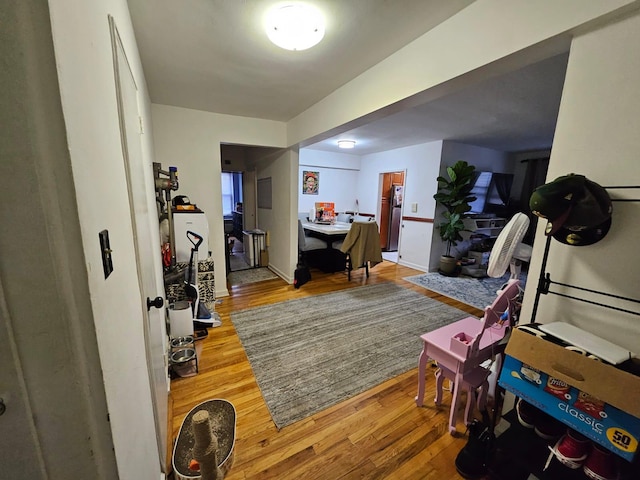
(414,207)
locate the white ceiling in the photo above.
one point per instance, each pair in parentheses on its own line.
(213,55)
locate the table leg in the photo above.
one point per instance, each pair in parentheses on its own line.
(454,402)
(422,366)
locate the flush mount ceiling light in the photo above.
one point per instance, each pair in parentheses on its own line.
(294,26)
(346,143)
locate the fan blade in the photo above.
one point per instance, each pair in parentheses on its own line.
(505,246)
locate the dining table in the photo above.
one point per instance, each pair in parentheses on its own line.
(328,232)
(330,259)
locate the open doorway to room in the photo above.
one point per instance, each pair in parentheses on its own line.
(390,208)
(233,214)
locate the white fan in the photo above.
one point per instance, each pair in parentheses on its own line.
(509,251)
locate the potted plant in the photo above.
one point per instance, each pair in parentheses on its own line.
(454,194)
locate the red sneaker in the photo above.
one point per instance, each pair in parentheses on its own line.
(600,464)
(571,450)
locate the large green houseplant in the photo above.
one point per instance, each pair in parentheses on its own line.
(454,194)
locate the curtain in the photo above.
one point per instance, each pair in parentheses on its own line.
(534,176)
(503,182)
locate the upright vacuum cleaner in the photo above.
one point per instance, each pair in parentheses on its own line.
(202,317)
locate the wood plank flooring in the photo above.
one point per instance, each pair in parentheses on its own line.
(379,434)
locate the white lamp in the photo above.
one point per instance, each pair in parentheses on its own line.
(346,143)
(294,26)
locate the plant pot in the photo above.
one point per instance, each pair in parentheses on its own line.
(447,265)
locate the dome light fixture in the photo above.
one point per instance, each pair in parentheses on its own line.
(294,26)
(346,143)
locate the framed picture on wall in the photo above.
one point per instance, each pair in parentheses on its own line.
(310,182)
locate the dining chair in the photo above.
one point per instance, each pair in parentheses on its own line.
(461,347)
(307,244)
(361,246)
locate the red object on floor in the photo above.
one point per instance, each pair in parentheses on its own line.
(600,464)
(571,450)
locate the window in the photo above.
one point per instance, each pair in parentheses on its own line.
(480,190)
(231,192)
(227,193)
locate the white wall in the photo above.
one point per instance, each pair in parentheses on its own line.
(421,164)
(87,90)
(233,158)
(56,424)
(190,140)
(597,136)
(484,159)
(338,179)
(280,222)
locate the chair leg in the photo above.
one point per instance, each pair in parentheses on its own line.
(349,267)
(439,381)
(366,267)
(471,397)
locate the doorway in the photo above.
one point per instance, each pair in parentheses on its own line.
(390,208)
(233,214)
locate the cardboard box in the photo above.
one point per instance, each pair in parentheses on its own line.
(325,211)
(264,258)
(594,398)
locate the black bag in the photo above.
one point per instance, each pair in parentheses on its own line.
(301,276)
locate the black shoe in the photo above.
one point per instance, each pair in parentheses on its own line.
(472,461)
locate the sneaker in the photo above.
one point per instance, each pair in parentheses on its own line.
(548,427)
(571,450)
(527,413)
(600,464)
(542,423)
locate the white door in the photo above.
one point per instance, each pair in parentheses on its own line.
(148,257)
(20,454)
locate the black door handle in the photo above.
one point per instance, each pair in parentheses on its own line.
(157,302)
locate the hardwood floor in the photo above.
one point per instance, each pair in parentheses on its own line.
(378,434)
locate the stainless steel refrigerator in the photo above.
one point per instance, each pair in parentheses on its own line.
(394,217)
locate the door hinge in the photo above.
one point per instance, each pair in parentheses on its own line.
(141,125)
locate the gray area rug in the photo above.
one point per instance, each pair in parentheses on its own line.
(477,292)
(251,275)
(311,353)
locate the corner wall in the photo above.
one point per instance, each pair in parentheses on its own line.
(280,221)
(190,140)
(484,159)
(597,136)
(421,164)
